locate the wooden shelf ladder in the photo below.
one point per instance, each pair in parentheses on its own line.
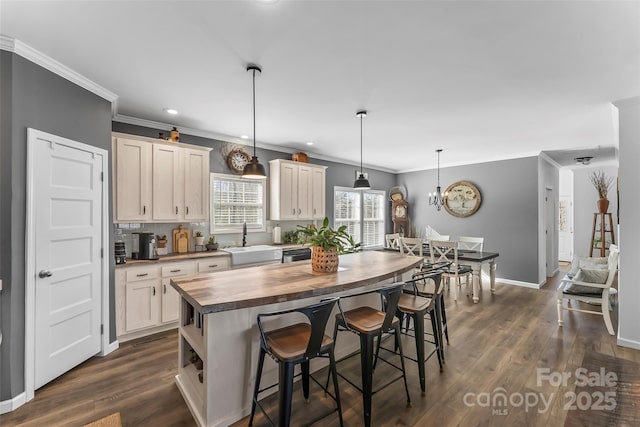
(600,227)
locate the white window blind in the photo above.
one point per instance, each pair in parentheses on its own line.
(235,201)
(363,212)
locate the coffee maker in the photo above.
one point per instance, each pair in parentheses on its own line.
(143,245)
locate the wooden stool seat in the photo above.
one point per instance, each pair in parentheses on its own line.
(290,343)
(412,303)
(364,320)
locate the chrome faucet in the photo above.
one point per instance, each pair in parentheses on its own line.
(244,234)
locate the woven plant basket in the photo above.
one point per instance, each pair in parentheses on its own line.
(324,261)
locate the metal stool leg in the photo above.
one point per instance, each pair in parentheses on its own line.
(304,367)
(437,338)
(257,387)
(404,371)
(334,373)
(418,326)
(366,366)
(285,393)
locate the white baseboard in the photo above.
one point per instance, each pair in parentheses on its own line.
(110,348)
(628,343)
(519,283)
(9,405)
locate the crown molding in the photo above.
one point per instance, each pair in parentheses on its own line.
(627,102)
(121,118)
(545,156)
(27,52)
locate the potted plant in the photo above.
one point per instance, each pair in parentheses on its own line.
(326,244)
(199,238)
(602,183)
(211,243)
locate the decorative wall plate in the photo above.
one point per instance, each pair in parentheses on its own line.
(463,199)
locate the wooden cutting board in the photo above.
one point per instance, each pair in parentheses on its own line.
(181,236)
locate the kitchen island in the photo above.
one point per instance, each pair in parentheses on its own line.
(218,335)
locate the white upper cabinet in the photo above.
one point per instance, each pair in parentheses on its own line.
(132,163)
(196,185)
(168,183)
(159,182)
(297,190)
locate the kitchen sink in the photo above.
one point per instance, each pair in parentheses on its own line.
(257,254)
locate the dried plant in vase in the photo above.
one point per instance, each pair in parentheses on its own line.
(602,183)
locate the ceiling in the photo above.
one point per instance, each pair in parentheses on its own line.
(481,80)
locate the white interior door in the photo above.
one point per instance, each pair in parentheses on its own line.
(565,226)
(67,219)
(550,224)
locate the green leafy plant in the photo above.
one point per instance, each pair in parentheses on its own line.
(602,182)
(326,237)
(212,240)
(161,237)
(290,236)
(198,233)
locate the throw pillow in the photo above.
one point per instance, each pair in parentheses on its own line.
(589,276)
(591,263)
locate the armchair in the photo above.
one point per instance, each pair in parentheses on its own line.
(591,286)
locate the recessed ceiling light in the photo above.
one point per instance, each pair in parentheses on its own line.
(171,111)
(244,137)
(309,143)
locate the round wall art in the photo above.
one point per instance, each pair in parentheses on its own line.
(463,199)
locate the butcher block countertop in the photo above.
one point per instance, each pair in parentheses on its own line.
(275,283)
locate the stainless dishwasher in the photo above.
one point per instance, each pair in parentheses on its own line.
(298,254)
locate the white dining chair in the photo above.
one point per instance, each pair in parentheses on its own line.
(411,246)
(392,240)
(441,251)
(471,243)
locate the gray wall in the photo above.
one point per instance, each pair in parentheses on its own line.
(507,218)
(41,100)
(585,197)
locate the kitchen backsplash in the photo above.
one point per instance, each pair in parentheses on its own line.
(224,240)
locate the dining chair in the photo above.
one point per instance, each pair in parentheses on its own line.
(392,240)
(441,251)
(411,246)
(591,286)
(471,243)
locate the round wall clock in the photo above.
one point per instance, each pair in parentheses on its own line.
(236,159)
(463,199)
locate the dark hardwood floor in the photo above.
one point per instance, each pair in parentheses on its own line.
(497,346)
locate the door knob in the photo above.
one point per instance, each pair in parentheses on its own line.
(44,273)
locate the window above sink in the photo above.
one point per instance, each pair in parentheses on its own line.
(235,201)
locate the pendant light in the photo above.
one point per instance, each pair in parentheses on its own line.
(437,199)
(253,169)
(361,183)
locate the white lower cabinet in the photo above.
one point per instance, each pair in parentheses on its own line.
(146,302)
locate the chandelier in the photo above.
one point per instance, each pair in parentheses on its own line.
(438,198)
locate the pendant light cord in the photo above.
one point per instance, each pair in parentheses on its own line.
(254,112)
(361,171)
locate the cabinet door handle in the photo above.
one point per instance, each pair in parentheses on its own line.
(176,271)
(142,275)
(213,266)
(154,290)
(144,210)
(187,208)
(164,289)
(176,210)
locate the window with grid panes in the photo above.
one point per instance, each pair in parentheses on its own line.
(363,212)
(235,201)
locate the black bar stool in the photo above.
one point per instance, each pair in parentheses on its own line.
(413,306)
(369,323)
(435,289)
(293,345)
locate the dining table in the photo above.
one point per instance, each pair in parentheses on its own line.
(475,259)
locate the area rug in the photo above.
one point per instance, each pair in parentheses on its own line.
(112,420)
(599,393)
